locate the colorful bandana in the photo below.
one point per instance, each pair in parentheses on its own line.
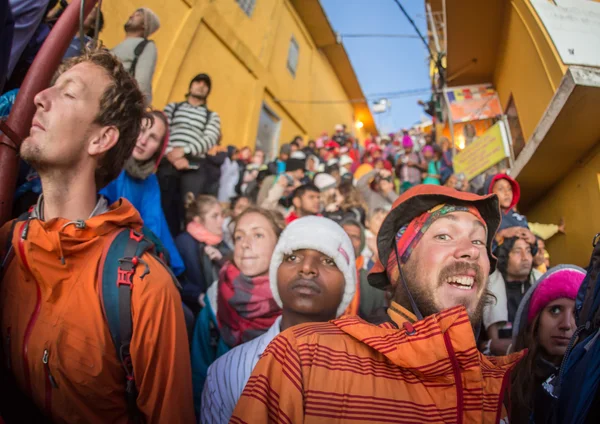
(410,234)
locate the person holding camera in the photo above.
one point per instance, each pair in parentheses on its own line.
(377,189)
(458,182)
(276,187)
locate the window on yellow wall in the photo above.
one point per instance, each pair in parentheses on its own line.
(247,6)
(514,125)
(292,61)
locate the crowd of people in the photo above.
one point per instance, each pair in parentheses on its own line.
(154,272)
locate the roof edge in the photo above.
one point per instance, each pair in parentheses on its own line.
(327,43)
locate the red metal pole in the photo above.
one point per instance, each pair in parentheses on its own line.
(38,78)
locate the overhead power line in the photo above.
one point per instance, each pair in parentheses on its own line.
(388,95)
(378,36)
(415,28)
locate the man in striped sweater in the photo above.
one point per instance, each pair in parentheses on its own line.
(194,131)
(421,364)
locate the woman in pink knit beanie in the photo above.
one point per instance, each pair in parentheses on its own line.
(544,325)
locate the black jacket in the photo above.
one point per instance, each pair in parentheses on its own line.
(200,271)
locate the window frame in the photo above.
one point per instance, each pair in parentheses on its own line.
(247,6)
(293,67)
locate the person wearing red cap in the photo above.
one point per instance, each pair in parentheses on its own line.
(508,191)
(421,364)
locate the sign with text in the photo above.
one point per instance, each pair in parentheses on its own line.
(472,103)
(485,152)
(574,27)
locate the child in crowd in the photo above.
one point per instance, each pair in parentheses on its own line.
(509,192)
(514,224)
(202,247)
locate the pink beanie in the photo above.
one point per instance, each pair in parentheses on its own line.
(427,149)
(561,282)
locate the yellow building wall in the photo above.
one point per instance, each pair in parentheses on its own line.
(256,30)
(233,87)
(246,58)
(577,199)
(528,65)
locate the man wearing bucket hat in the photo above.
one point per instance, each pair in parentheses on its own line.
(422,363)
(313,279)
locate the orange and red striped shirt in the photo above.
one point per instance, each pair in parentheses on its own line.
(348,370)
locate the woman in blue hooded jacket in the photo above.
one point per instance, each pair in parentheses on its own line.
(139,184)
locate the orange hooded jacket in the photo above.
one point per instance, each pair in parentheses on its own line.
(349,371)
(55,336)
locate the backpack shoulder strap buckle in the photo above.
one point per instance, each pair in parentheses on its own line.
(125,277)
(136,236)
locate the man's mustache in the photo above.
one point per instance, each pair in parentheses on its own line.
(461,268)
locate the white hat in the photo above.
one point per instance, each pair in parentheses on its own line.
(325,236)
(324,181)
(345,160)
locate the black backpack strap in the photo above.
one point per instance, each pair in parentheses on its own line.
(137,52)
(175,109)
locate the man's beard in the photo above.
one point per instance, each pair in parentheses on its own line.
(425,300)
(131,27)
(33,156)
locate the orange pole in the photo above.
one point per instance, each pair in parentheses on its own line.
(38,78)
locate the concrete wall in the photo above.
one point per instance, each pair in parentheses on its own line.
(246,58)
(528,65)
(530,69)
(577,199)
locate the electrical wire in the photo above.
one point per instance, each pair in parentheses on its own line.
(416,29)
(437,60)
(388,95)
(378,36)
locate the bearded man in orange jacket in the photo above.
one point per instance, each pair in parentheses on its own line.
(421,364)
(56,344)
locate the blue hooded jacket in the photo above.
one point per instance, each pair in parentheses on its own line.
(144,195)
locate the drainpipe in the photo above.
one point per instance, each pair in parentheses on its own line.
(38,78)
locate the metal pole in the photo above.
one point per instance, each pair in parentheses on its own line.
(433,29)
(38,78)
